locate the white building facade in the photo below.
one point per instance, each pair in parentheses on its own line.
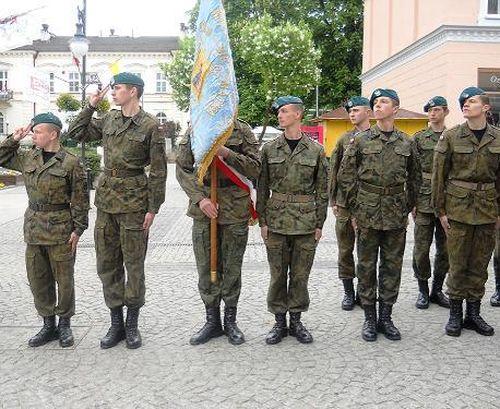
(32,77)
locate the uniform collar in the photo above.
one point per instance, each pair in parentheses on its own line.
(466,132)
(375,132)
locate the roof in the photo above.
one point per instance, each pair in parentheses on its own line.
(341,113)
(158,44)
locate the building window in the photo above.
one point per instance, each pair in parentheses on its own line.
(162,118)
(74,82)
(51,82)
(161,82)
(3,81)
(493,7)
(2,127)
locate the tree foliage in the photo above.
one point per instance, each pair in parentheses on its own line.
(178,72)
(68,103)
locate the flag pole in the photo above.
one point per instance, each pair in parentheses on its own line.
(213,223)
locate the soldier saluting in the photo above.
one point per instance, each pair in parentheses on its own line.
(56,217)
(127,199)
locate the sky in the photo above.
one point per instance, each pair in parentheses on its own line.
(126,17)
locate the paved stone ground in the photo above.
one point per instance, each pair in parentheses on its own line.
(426,369)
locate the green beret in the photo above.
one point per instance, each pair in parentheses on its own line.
(127,78)
(286,100)
(46,118)
(468,93)
(383,92)
(356,102)
(435,102)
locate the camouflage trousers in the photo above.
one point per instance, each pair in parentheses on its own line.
(426,226)
(346,237)
(121,245)
(289,256)
(470,248)
(391,244)
(231,245)
(47,266)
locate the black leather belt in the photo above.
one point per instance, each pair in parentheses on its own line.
(123,173)
(45,207)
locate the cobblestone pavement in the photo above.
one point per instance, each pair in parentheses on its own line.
(425,369)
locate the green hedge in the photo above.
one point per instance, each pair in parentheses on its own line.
(92,159)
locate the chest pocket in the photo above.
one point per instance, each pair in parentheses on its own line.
(462,155)
(307,167)
(276,168)
(135,146)
(371,156)
(493,157)
(57,184)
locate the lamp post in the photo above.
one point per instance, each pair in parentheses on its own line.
(79,46)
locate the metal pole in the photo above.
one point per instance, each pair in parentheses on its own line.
(317,101)
(83,18)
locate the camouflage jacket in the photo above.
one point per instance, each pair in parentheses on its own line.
(233,201)
(379,178)
(60,181)
(424,142)
(292,192)
(129,147)
(466,175)
(335,160)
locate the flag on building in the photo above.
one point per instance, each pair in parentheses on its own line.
(214,95)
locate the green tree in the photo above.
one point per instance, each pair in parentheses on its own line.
(178,72)
(275,53)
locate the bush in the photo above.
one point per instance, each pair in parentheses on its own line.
(92,159)
(67,103)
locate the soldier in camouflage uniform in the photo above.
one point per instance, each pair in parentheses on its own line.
(56,217)
(292,201)
(465,196)
(426,223)
(241,151)
(378,179)
(358,109)
(127,199)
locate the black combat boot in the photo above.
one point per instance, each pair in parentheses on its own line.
(454,326)
(369,331)
(385,324)
(298,330)
(211,329)
(437,296)
(279,331)
(234,334)
(132,334)
(495,298)
(116,331)
(46,334)
(349,298)
(423,295)
(474,321)
(65,334)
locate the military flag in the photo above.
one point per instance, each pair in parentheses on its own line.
(214,95)
(20,29)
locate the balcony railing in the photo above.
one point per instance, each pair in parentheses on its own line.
(6,95)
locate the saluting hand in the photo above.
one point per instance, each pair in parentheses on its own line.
(318,234)
(335,209)
(264,231)
(20,133)
(94,99)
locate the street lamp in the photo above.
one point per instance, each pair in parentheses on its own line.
(79,46)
